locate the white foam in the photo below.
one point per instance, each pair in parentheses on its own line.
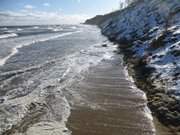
(15,49)
(19,29)
(48,128)
(8,35)
(5,28)
(55,29)
(73,27)
(13,52)
(35,27)
(147,111)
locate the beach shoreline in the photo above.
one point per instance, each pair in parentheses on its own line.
(110,103)
(148,38)
(162,127)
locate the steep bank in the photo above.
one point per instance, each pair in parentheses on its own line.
(148,33)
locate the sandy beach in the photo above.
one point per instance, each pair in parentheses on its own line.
(112,106)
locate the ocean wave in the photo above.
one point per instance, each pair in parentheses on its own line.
(35,27)
(74,27)
(15,49)
(5,28)
(55,29)
(19,29)
(44,90)
(8,35)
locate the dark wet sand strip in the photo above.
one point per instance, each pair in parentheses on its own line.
(108,105)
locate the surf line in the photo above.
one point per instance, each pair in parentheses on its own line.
(8,35)
(15,49)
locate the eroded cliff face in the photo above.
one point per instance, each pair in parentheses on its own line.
(148,32)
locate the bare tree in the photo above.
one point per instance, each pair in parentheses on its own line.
(130,1)
(121,5)
(125,3)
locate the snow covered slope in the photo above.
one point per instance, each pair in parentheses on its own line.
(150,31)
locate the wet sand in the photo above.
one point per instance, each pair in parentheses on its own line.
(108,104)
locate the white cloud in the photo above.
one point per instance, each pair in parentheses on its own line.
(29,7)
(26,17)
(46,4)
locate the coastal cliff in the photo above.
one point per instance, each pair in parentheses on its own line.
(148,34)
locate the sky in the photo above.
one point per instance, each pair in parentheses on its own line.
(27,12)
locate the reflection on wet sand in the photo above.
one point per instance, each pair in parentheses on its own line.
(108,105)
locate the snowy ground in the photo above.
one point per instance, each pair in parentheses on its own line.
(152,28)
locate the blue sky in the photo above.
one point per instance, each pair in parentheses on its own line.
(61,10)
(90,7)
